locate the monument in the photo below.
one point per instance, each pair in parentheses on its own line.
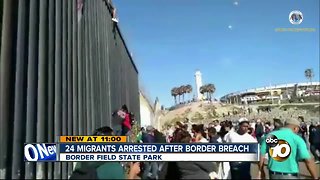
(198,85)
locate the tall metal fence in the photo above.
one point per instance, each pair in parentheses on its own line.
(64,69)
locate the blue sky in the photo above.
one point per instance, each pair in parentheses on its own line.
(170,39)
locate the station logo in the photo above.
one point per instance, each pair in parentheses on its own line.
(295,17)
(40,152)
(279,149)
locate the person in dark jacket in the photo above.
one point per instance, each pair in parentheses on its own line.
(213,136)
(303,128)
(169,171)
(226,126)
(105,170)
(259,130)
(150,168)
(159,137)
(192,170)
(277,124)
(314,139)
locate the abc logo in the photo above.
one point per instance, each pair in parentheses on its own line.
(279,149)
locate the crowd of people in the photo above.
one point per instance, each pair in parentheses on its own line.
(301,136)
(296,132)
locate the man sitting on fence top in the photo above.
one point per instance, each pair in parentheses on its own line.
(113,10)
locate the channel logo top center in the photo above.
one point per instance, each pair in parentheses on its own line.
(279,149)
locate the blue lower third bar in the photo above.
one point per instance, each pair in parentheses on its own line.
(251,148)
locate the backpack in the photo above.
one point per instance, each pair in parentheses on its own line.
(86,172)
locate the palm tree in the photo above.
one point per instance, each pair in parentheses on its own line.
(188,90)
(174,93)
(179,94)
(308,73)
(183,90)
(211,89)
(203,89)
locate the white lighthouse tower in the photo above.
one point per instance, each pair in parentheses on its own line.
(198,84)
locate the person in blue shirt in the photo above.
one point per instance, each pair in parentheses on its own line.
(287,167)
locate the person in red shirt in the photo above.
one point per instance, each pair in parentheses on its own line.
(126,124)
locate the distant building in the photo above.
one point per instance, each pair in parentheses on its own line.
(198,79)
(276,92)
(150,114)
(146,111)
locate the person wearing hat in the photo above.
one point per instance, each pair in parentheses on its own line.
(287,167)
(240,170)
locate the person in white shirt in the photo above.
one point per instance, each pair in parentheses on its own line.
(216,125)
(229,128)
(241,170)
(215,138)
(200,135)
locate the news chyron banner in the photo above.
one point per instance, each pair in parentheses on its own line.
(49,152)
(158,152)
(116,148)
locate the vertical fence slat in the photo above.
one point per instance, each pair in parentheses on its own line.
(108,28)
(84,67)
(99,49)
(7,69)
(80,51)
(69,76)
(32,82)
(58,80)
(64,78)
(51,64)
(91,59)
(92,63)
(20,93)
(95,68)
(42,83)
(74,71)
(103,91)
(87,66)
(75,68)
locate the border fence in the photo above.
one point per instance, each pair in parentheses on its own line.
(64,69)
